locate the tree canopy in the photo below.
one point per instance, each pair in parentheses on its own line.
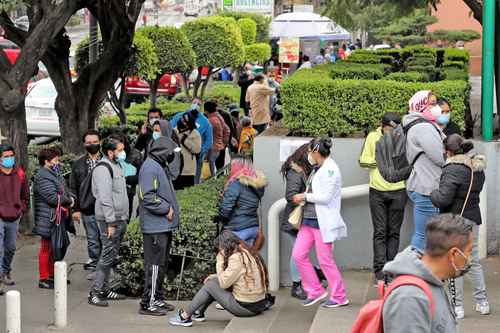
(257,53)
(248,29)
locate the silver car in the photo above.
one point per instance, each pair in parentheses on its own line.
(41,116)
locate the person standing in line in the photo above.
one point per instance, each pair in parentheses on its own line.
(321,58)
(49,191)
(306,64)
(220,162)
(258,95)
(190,140)
(204,128)
(159,215)
(446,255)
(14,204)
(80,169)
(245,81)
(322,225)
(111,211)
(425,151)
(444,120)
(146,134)
(221,134)
(387,200)
(247,138)
(457,194)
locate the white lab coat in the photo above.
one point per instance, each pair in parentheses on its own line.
(326,196)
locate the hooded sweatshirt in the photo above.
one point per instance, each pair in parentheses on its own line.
(174,167)
(427,139)
(203,126)
(157,194)
(407,309)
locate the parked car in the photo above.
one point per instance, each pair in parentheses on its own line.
(41,116)
(137,89)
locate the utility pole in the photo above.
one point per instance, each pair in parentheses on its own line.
(488,75)
(93,42)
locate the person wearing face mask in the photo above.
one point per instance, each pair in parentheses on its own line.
(49,190)
(459,192)
(446,255)
(14,203)
(163,128)
(245,81)
(80,170)
(146,132)
(444,120)
(112,213)
(190,140)
(322,225)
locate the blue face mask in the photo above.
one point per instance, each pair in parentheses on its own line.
(8,162)
(56,168)
(156,135)
(443,119)
(121,157)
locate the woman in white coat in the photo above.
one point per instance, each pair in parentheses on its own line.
(322,224)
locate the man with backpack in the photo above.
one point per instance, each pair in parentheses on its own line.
(387,200)
(416,301)
(111,211)
(80,170)
(14,203)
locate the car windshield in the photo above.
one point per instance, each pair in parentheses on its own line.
(44,89)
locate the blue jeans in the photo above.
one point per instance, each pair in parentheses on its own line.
(212,157)
(247,235)
(93,238)
(294,272)
(8,236)
(423,210)
(199,166)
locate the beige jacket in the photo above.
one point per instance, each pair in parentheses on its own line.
(247,285)
(258,96)
(191,145)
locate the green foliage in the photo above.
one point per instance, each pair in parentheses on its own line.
(453,36)
(315,105)
(455,74)
(451,54)
(407,77)
(364,58)
(144,60)
(248,29)
(216,41)
(198,207)
(224,94)
(455,64)
(263,23)
(173,49)
(355,71)
(257,53)
(82,54)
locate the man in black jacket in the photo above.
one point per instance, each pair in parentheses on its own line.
(245,81)
(79,171)
(146,135)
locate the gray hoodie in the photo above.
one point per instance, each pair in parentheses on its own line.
(157,194)
(407,309)
(175,166)
(111,199)
(426,138)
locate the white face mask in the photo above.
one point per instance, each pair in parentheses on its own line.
(311,159)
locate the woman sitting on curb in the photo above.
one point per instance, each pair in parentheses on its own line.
(240,284)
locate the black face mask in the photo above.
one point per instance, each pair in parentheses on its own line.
(93,148)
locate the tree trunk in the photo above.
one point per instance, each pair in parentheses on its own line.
(185,84)
(205,82)
(197,83)
(154,92)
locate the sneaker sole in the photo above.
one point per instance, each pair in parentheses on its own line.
(346,303)
(180,324)
(99,305)
(154,314)
(319,299)
(199,320)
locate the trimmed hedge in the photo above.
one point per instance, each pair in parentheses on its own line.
(455,64)
(357,72)
(315,105)
(364,58)
(407,77)
(452,54)
(455,74)
(198,207)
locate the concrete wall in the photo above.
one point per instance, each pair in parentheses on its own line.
(356,252)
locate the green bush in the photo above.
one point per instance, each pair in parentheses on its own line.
(194,240)
(421,61)
(451,54)
(224,94)
(315,105)
(455,74)
(248,29)
(257,53)
(263,23)
(455,64)
(419,50)
(407,77)
(356,72)
(364,58)
(433,73)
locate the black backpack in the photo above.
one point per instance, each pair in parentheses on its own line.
(390,153)
(87,199)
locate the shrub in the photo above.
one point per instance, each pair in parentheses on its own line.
(248,29)
(421,61)
(193,242)
(432,72)
(407,77)
(364,58)
(419,50)
(356,72)
(263,23)
(257,53)
(224,94)
(315,105)
(144,60)
(455,74)
(455,64)
(451,54)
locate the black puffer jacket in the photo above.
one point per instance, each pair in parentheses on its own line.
(295,184)
(454,185)
(47,186)
(79,171)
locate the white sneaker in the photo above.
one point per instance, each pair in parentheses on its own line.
(483,308)
(219,307)
(459,312)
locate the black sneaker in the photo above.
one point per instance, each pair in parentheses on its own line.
(97,300)
(179,321)
(8,281)
(113,296)
(198,316)
(164,305)
(152,311)
(46,284)
(298,292)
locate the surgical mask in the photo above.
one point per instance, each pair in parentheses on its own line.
(195,106)
(93,148)
(464,270)
(121,156)
(152,121)
(443,119)
(56,167)
(311,159)
(8,162)
(156,135)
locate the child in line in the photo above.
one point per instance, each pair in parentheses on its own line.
(247,137)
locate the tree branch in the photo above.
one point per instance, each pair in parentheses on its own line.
(477,9)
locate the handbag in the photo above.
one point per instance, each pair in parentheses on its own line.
(260,239)
(59,236)
(297,214)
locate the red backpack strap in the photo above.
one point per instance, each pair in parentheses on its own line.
(410,280)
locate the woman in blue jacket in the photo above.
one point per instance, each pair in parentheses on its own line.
(240,203)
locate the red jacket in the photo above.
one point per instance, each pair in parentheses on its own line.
(14,195)
(221,131)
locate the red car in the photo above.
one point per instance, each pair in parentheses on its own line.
(137,89)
